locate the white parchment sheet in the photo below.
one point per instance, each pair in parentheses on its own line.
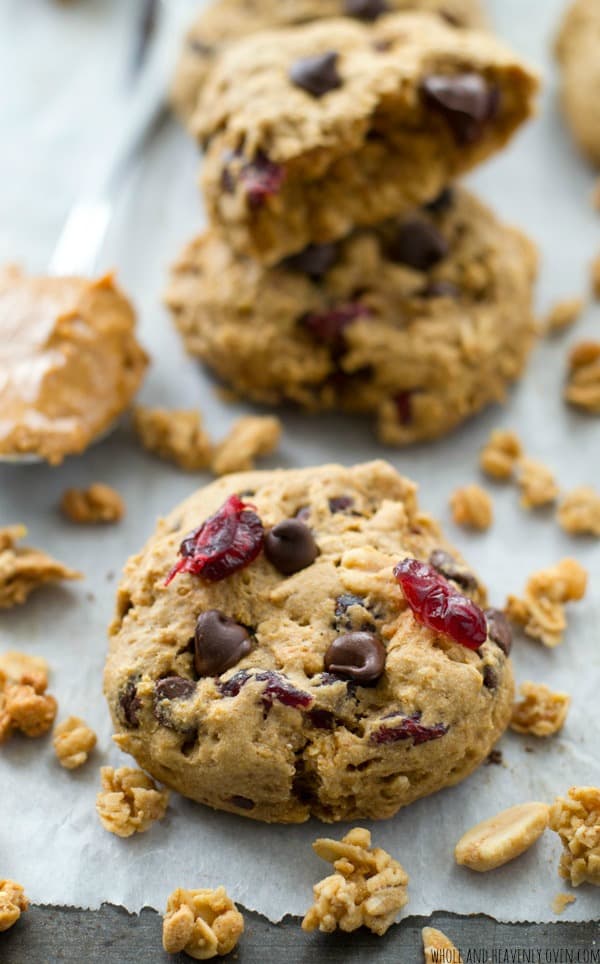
(50,838)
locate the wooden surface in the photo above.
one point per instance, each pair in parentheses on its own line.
(46,935)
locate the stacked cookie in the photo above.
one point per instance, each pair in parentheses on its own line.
(340,271)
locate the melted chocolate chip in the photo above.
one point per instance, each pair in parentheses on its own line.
(448,567)
(357,656)
(418,244)
(315,261)
(244,803)
(365,9)
(443,202)
(352,621)
(220,643)
(174,688)
(321,719)
(465,101)
(130,704)
(317,75)
(440,289)
(490,678)
(340,503)
(290,546)
(499,629)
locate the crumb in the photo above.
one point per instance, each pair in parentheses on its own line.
(20,668)
(537,484)
(24,704)
(494,757)
(579,512)
(367,889)
(250,437)
(576,819)
(97,504)
(503,837)
(129,801)
(583,381)
(13,903)
(500,455)
(595,277)
(561,902)
(23,569)
(541,712)
(563,314)
(472,507)
(73,742)
(175,435)
(201,923)
(541,611)
(434,942)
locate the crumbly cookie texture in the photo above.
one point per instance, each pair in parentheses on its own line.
(434,942)
(583,381)
(368,888)
(579,512)
(73,742)
(312,131)
(537,484)
(563,314)
(70,366)
(98,504)
(541,711)
(201,923)
(23,569)
(501,838)
(501,453)
(472,507)
(321,330)
(541,610)
(24,704)
(257,715)
(129,802)
(577,53)
(576,819)
(250,437)
(13,903)
(226,20)
(176,435)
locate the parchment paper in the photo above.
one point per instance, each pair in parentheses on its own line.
(50,838)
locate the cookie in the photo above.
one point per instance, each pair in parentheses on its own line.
(315,130)
(420,321)
(275,652)
(227,20)
(70,362)
(577,50)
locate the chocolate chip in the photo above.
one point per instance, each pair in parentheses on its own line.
(466,101)
(340,503)
(356,656)
(220,643)
(244,803)
(174,688)
(490,678)
(317,75)
(303,513)
(440,289)
(448,567)
(360,618)
(321,719)
(499,629)
(130,704)
(315,261)
(443,202)
(418,244)
(365,9)
(290,546)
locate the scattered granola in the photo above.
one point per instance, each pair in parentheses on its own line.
(541,712)
(13,903)
(472,507)
(595,276)
(576,819)
(562,901)
(24,703)
(97,504)
(129,801)
(250,437)
(537,484)
(501,838)
(436,941)
(500,455)
(579,512)
(23,569)
(563,314)
(583,382)
(73,742)
(176,435)
(368,887)
(20,668)
(541,611)
(202,923)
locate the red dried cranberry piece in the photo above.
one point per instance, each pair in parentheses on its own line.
(403,402)
(232,686)
(329,326)
(280,689)
(229,541)
(440,606)
(409,728)
(261,179)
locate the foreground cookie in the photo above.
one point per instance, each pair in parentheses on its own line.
(315,130)
(577,49)
(420,322)
(274,664)
(70,362)
(226,20)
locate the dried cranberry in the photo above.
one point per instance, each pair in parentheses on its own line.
(280,689)
(261,179)
(409,728)
(232,686)
(403,402)
(329,326)
(229,541)
(440,606)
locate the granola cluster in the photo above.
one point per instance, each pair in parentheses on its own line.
(472,507)
(73,742)
(24,704)
(541,712)
(537,484)
(576,819)
(434,943)
(579,512)
(13,903)
(501,453)
(23,569)
(250,437)
(563,314)
(202,923)
(541,611)
(97,504)
(174,435)
(583,382)
(129,801)
(367,889)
